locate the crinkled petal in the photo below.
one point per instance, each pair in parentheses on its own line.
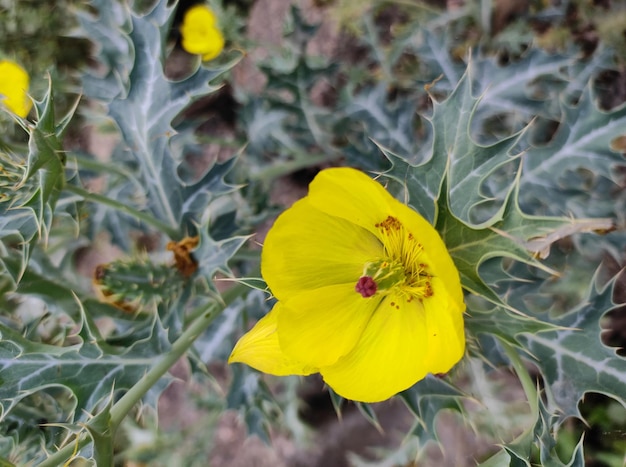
(354,196)
(307,249)
(320,326)
(402,343)
(351,195)
(259,348)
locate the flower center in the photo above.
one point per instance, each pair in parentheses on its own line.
(401,270)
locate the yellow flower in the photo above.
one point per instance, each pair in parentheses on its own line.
(14,83)
(368,295)
(200,33)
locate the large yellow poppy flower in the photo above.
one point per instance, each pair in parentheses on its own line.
(14,82)
(368,295)
(200,34)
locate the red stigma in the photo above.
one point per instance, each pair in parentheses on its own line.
(366,286)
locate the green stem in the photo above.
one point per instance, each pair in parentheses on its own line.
(76,159)
(182,344)
(301,161)
(124,405)
(170,231)
(530,389)
(65,453)
(227,297)
(528,385)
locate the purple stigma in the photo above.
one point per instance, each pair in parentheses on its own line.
(366,286)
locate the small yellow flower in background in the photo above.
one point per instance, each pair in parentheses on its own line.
(200,33)
(14,82)
(368,295)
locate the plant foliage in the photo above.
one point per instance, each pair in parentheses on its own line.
(504,148)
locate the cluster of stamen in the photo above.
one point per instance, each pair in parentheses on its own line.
(400,270)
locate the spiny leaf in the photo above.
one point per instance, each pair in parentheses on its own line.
(306,122)
(469,163)
(519,452)
(298,30)
(99,428)
(251,396)
(436,62)
(390,125)
(15,191)
(109,31)
(30,429)
(213,256)
(217,341)
(426,400)
(27,367)
(501,322)
(144,108)
(266,131)
(42,280)
(46,162)
(455,151)
(197,195)
(574,360)
(370,415)
(542,435)
(527,86)
(480,175)
(285,121)
(582,141)
(509,237)
(582,72)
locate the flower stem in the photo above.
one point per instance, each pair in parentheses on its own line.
(528,385)
(530,389)
(184,342)
(167,229)
(125,404)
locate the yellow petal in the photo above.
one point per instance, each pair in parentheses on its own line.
(200,16)
(446,334)
(208,42)
(320,326)
(307,249)
(402,343)
(351,195)
(216,45)
(259,348)
(200,34)
(14,82)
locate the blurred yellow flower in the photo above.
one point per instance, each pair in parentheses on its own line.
(368,295)
(200,34)
(14,82)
